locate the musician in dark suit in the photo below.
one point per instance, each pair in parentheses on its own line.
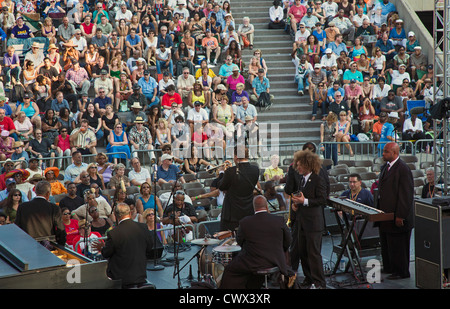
(309,215)
(39,218)
(264,239)
(293,179)
(396,195)
(239,182)
(126,248)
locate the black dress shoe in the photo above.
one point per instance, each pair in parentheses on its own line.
(396,277)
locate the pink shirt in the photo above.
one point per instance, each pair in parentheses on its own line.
(356,91)
(232,82)
(298,12)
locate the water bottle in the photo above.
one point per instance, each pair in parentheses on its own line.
(428,148)
(226,120)
(313,287)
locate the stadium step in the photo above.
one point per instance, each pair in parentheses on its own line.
(290,113)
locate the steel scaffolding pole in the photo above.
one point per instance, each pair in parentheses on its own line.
(441,82)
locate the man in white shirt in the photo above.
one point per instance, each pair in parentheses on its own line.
(80,42)
(164,59)
(380,91)
(276,16)
(138,175)
(123,14)
(413,128)
(399,75)
(300,36)
(344,25)
(328,60)
(197,116)
(331,9)
(302,69)
(360,17)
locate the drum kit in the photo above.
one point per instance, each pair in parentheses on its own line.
(214,255)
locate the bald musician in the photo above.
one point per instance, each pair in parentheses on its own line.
(396,195)
(264,239)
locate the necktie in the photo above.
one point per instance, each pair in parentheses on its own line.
(388,166)
(302,183)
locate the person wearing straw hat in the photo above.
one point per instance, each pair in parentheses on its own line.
(20,155)
(20,176)
(141,138)
(36,55)
(136,111)
(54,57)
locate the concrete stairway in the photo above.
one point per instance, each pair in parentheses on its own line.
(291,112)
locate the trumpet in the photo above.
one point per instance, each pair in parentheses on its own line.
(211,169)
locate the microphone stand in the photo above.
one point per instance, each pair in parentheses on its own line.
(155,265)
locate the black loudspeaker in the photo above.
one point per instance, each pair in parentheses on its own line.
(432,244)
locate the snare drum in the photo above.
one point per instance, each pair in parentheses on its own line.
(213,261)
(225,253)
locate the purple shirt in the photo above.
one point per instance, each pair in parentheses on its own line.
(7,60)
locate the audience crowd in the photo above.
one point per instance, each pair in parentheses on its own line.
(156,77)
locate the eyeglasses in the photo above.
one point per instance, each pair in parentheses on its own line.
(17,194)
(151,214)
(66,213)
(93,210)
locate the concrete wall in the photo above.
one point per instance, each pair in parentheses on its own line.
(407,11)
(421,5)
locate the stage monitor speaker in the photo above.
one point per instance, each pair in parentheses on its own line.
(432,243)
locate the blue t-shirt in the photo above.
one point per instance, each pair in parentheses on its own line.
(7,108)
(364,197)
(349,75)
(170,174)
(21,33)
(102,102)
(386,130)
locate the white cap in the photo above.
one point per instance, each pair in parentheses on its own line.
(328,51)
(393,115)
(318,65)
(411,33)
(166,156)
(417,47)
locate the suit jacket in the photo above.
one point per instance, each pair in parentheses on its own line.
(40,218)
(126,248)
(238,201)
(293,179)
(396,195)
(264,238)
(310,218)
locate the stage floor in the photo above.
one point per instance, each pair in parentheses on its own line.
(167,278)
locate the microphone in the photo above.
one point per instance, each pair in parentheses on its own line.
(155,170)
(417,110)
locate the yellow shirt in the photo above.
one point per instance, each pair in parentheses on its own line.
(270,172)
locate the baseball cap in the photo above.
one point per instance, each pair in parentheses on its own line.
(166,156)
(10,181)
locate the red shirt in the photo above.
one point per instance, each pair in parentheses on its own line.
(298,12)
(167,100)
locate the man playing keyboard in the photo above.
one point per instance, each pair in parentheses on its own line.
(356,192)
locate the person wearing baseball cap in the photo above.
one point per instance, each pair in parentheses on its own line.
(168,172)
(149,88)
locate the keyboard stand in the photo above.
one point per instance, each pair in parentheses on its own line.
(349,247)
